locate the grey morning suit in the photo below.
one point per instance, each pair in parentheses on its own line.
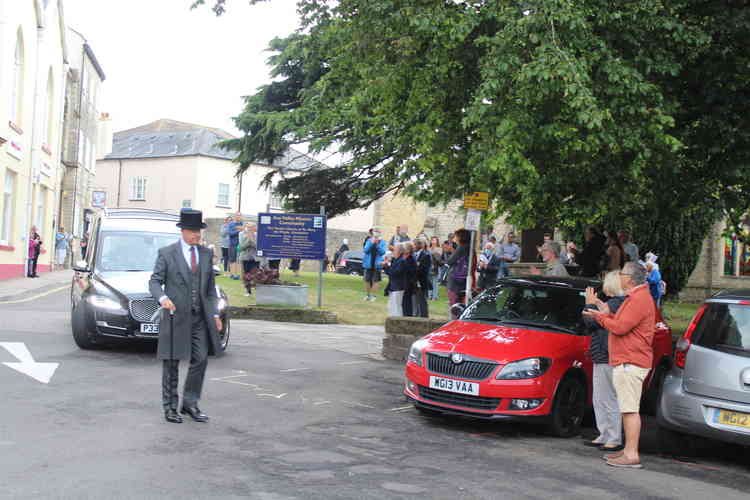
(195,335)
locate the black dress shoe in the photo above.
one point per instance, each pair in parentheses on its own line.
(194,413)
(172,416)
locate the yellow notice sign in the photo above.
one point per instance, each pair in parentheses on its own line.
(477,201)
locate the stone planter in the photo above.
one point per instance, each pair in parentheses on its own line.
(282,295)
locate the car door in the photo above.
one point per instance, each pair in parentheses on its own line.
(718,361)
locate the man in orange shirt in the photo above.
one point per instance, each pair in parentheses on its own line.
(631,355)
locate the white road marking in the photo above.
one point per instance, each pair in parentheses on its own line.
(290,370)
(41,372)
(402,408)
(38,296)
(352,362)
(322,403)
(221,379)
(277,396)
(358,404)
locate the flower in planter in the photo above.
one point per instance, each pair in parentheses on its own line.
(264,276)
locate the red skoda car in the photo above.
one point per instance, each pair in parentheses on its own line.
(518,352)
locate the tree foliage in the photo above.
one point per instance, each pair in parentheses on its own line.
(567,112)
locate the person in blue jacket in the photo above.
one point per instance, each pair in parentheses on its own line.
(653,278)
(372,263)
(234,229)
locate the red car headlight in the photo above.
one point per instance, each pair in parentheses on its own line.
(415,354)
(524,368)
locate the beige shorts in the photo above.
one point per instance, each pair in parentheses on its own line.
(628,381)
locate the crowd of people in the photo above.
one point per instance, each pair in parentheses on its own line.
(416,268)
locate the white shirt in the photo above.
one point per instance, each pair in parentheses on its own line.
(186,253)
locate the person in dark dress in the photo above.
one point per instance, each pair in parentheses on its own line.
(592,256)
(294,266)
(423,283)
(410,276)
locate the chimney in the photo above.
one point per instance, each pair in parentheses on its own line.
(104,136)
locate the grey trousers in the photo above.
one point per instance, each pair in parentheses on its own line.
(196,373)
(606,409)
(420,309)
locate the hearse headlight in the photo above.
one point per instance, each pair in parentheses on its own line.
(104,303)
(415,354)
(525,368)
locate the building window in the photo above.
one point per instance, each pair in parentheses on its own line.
(223,197)
(275,202)
(187,203)
(16,95)
(41,210)
(138,189)
(736,258)
(7,220)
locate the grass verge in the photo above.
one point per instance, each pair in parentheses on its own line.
(342,294)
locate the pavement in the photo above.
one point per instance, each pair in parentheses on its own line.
(18,288)
(297,412)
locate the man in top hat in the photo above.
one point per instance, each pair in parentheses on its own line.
(183,283)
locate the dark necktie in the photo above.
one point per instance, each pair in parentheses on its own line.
(193,261)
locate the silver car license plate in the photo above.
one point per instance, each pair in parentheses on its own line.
(149,327)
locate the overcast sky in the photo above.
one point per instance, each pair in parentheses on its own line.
(163,60)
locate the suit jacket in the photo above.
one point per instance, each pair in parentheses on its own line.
(171,277)
(424,264)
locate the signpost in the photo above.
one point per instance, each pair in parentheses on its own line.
(477,201)
(474,203)
(293,236)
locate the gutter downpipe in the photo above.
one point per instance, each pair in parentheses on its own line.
(61,122)
(119,183)
(35,147)
(78,136)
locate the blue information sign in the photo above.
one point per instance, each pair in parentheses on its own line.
(292,236)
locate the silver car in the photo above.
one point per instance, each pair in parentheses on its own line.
(707,392)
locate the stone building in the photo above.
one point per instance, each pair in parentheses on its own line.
(83,86)
(419,217)
(168,165)
(33,64)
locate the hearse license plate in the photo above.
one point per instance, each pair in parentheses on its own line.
(733,418)
(149,327)
(452,385)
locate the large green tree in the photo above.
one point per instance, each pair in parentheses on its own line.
(631,113)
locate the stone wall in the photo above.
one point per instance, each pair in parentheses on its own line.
(401,333)
(440,220)
(392,211)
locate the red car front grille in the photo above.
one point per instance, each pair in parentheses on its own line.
(468,369)
(474,402)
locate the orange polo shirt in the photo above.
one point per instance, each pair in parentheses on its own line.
(632,329)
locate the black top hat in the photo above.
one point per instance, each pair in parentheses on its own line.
(191,219)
